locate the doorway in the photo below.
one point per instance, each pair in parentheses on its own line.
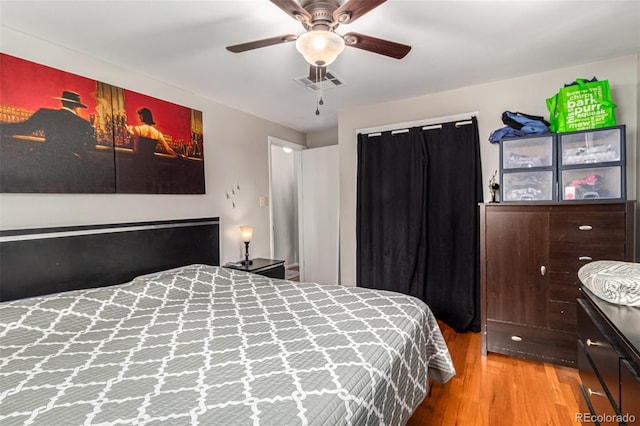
(304,210)
(284,172)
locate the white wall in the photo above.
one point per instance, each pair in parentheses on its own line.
(525,94)
(326,137)
(236,152)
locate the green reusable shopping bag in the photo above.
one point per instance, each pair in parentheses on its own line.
(584,105)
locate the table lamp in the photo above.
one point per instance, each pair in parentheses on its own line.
(247,233)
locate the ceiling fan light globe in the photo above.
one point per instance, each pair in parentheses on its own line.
(320,47)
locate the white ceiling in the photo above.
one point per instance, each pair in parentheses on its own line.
(455,44)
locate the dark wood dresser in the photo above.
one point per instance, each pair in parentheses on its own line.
(609,361)
(530,254)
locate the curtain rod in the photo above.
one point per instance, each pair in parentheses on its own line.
(431,127)
(460,118)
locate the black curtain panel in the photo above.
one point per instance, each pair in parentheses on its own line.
(454,189)
(390,211)
(417,218)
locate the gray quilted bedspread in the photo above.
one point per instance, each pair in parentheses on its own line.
(211,346)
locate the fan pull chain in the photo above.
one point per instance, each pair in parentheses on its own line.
(320,100)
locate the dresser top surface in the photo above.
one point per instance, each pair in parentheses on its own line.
(582,204)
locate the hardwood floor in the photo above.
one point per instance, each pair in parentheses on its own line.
(499,390)
(292,273)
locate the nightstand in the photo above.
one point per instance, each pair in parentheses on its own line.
(271,268)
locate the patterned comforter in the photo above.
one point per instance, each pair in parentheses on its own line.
(614,281)
(212,346)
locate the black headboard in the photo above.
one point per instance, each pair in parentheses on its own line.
(50,260)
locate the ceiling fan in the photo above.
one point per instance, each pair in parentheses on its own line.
(320,45)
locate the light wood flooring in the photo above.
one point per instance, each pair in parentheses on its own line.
(498,390)
(292,273)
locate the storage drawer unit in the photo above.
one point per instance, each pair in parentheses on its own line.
(586,225)
(541,344)
(562,316)
(596,183)
(528,168)
(528,186)
(528,152)
(572,256)
(592,146)
(591,164)
(562,288)
(530,256)
(588,165)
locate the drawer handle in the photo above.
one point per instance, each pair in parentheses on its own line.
(592,393)
(593,343)
(585,227)
(516,338)
(543,270)
(585,259)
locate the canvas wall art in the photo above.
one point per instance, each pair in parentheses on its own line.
(64,133)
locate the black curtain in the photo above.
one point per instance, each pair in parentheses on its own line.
(417,225)
(391,212)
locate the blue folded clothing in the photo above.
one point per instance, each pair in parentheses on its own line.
(529,124)
(505,132)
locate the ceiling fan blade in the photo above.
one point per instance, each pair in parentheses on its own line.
(353,9)
(377,45)
(293,9)
(317,74)
(237,48)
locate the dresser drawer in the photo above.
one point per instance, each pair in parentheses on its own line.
(562,316)
(563,286)
(630,394)
(587,227)
(569,257)
(593,391)
(603,356)
(531,342)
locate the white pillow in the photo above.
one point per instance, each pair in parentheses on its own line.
(613,281)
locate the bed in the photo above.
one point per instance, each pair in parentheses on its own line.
(196,343)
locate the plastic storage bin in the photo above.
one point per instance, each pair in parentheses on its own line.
(528,186)
(595,183)
(592,147)
(531,152)
(528,169)
(591,164)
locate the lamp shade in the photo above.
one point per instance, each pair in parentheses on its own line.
(320,47)
(247,233)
